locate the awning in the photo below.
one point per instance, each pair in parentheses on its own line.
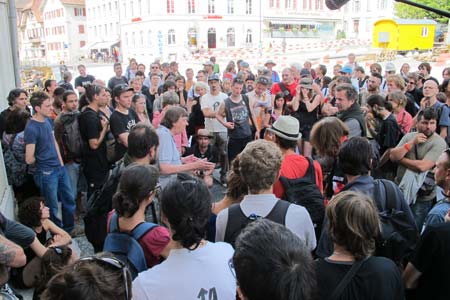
(100,45)
(293,22)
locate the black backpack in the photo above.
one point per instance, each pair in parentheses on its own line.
(71,138)
(126,247)
(304,191)
(237,220)
(99,205)
(398,236)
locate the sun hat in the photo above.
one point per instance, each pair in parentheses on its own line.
(286,127)
(270,62)
(203,132)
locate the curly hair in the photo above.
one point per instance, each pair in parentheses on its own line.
(16,121)
(260,164)
(30,212)
(353,223)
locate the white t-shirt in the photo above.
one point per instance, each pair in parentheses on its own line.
(213,102)
(203,273)
(298,219)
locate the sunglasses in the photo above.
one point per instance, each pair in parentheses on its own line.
(116,264)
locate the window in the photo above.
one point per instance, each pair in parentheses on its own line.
(132,8)
(110,8)
(141,38)
(80,28)
(317,4)
(149,38)
(248,38)
(230,6)
(171,37)
(116,7)
(133,39)
(104,10)
(126,38)
(124,9)
(170,6)
(211,7)
(248,7)
(139,6)
(82,44)
(191,6)
(424,31)
(356,26)
(271,3)
(148,6)
(288,3)
(356,6)
(192,37)
(230,37)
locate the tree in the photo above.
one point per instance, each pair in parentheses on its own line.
(410,12)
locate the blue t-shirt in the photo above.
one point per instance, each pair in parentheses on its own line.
(168,152)
(41,135)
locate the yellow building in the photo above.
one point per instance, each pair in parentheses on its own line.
(404,34)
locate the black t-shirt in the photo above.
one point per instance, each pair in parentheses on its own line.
(82,81)
(432,259)
(389,134)
(378,278)
(121,123)
(94,160)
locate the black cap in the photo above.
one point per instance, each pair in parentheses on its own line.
(262,80)
(120,88)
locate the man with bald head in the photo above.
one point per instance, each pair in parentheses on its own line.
(287,86)
(430,90)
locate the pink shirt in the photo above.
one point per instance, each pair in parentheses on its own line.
(404,120)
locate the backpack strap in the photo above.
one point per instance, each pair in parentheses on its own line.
(228,115)
(142,229)
(278,212)
(246,101)
(389,202)
(236,218)
(347,279)
(114,223)
(311,172)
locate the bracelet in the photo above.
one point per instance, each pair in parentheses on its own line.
(407,147)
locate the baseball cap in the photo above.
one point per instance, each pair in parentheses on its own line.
(214,76)
(346,70)
(251,77)
(244,64)
(121,88)
(262,80)
(390,67)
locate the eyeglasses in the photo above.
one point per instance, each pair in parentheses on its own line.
(115,263)
(411,82)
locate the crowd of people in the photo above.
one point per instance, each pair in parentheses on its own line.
(337,187)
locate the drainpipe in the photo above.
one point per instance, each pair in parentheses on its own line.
(14,42)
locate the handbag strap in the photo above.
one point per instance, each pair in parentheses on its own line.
(347,279)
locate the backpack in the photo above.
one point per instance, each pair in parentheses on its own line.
(126,247)
(237,220)
(304,191)
(398,236)
(16,170)
(71,137)
(99,205)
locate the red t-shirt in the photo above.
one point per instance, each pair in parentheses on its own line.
(153,243)
(295,166)
(291,88)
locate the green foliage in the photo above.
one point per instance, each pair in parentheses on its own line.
(406,11)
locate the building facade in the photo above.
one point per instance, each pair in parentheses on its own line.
(31,35)
(64,29)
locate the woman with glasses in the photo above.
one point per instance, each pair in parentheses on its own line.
(99,277)
(195,268)
(136,191)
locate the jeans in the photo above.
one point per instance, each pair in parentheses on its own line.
(73,170)
(420,210)
(55,186)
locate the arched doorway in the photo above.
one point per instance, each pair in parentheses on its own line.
(230,37)
(211,37)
